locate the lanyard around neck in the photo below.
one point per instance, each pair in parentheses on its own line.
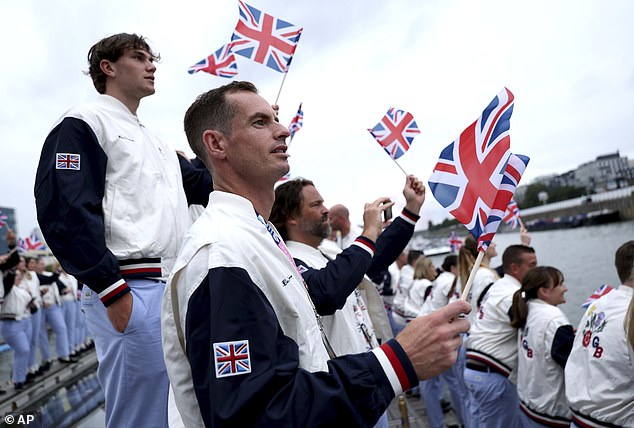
(280,244)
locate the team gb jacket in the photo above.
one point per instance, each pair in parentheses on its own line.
(241,340)
(110,197)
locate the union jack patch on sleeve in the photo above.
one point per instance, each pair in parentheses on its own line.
(67,161)
(232,358)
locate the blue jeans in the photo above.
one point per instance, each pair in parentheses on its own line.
(18,335)
(70,318)
(131,370)
(36,324)
(493,401)
(431,390)
(54,316)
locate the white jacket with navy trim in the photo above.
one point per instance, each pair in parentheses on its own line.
(231,282)
(120,211)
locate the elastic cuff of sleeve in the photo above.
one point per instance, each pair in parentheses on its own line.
(397,366)
(365,243)
(114,292)
(409,216)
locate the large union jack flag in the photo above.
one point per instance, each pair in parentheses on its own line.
(264,38)
(232,358)
(297,122)
(395,132)
(512,214)
(598,293)
(31,243)
(475,174)
(221,63)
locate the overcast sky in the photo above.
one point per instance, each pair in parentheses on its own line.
(568,63)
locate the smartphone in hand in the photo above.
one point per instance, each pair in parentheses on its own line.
(387,213)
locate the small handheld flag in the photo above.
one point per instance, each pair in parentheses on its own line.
(297,122)
(264,38)
(512,214)
(598,293)
(395,132)
(31,243)
(221,63)
(454,242)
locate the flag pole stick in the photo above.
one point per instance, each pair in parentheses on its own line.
(474,269)
(519,219)
(397,164)
(280,91)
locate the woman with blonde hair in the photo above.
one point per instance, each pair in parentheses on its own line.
(484,276)
(424,274)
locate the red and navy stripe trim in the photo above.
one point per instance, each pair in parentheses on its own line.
(365,243)
(140,268)
(397,366)
(409,216)
(494,364)
(112,293)
(544,419)
(588,422)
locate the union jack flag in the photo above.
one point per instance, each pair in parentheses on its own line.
(297,122)
(600,292)
(395,132)
(512,214)
(454,242)
(232,358)
(67,161)
(3,218)
(221,63)
(264,38)
(31,243)
(475,175)
(513,172)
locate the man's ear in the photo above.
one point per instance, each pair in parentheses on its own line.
(106,67)
(293,220)
(215,144)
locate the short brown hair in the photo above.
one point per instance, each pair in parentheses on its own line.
(211,110)
(111,48)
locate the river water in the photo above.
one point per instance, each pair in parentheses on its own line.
(585,255)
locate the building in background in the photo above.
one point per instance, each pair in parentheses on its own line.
(7,221)
(607,172)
